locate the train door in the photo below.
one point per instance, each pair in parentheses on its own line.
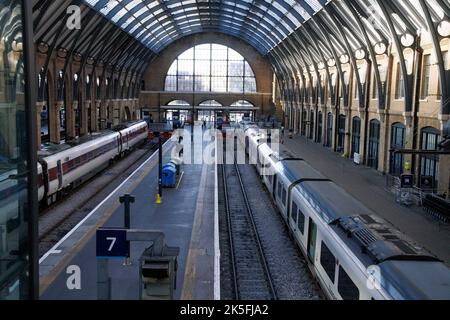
(60,174)
(312,238)
(274,186)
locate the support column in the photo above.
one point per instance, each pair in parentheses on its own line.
(39,106)
(409,138)
(84,118)
(54,123)
(103,115)
(335,128)
(348,135)
(444,163)
(363,144)
(384,142)
(137,109)
(60,106)
(116,112)
(70,121)
(109,114)
(94,116)
(73,123)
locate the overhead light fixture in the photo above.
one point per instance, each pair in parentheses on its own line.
(380,48)
(360,54)
(444,28)
(407,40)
(331,62)
(344,59)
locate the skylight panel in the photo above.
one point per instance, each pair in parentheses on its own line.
(246,18)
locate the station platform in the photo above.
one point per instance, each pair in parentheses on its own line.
(186,216)
(369,186)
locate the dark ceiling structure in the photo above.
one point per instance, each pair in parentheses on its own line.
(298,37)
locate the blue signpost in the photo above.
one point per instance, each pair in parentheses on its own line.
(112,243)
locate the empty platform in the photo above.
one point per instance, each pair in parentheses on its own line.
(186,216)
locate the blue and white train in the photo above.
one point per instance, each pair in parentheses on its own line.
(353,253)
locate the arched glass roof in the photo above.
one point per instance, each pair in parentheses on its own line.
(262,23)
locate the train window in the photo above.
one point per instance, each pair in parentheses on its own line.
(312,234)
(284,196)
(346,287)
(328,261)
(294,211)
(279,190)
(301,222)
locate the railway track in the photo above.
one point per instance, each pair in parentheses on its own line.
(251,278)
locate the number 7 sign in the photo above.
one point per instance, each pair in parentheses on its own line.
(112,243)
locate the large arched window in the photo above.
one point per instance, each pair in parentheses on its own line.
(179,103)
(210,68)
(210,103)
(242,104)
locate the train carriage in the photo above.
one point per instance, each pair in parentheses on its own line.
(62,167)
(353,253)
(69,165)
(132,135)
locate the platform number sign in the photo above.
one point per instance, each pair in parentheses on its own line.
(112,243)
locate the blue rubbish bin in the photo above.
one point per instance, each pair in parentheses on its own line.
(169,176)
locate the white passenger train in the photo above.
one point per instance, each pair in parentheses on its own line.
(66,166)
(353,253)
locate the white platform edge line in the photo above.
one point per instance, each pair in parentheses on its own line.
(216,231)
(53,249)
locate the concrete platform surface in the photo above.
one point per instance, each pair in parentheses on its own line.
(187,208)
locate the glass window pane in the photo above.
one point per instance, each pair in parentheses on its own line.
(234,56)
(328,261)
(171,83)
(185,67)
(14,251)
(187,55)
(250,85)
(219,52)
(202,84)
(248,70)
(202,67)
(236,68)
(235,84)
(203,52)
(219,84)
(173,69)
(219,68)
(346,287)
(185,83)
